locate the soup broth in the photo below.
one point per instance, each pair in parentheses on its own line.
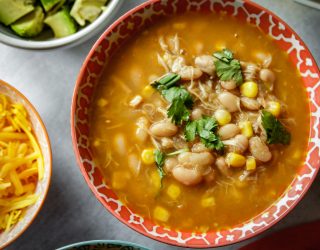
(226,194)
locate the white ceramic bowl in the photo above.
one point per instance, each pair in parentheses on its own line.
(9,38)
(42,188)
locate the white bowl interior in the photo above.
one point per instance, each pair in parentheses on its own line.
(43,42)
(43,185)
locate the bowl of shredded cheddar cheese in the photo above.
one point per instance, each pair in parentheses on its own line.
(25,163)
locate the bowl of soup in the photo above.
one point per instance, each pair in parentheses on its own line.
(195,123)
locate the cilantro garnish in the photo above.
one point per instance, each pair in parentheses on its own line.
(159,159)
(276,132)
(167,81)
(227,67)
(179,97)
(205,128)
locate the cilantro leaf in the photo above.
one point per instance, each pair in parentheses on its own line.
(179,97)
(224,55)
(276,132)
(205,128)
(178,111)
(207,123)
(180,100)
(227,67)
(178,93)
(167,81)
(159,159)
(190,131)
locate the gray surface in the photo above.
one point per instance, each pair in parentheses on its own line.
(71,213)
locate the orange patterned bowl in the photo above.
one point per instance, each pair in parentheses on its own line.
(41,135)
(128,25)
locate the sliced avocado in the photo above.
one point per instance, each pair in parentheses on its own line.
(61,23)
(87,10)
(12,10)
(29,25)
(49,4)
(57,7)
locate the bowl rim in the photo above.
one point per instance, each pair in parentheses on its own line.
(92,187)
(43,128)
(24,43)
(94,242)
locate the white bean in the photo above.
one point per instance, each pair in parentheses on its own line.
(199,148)
(186,72)
(142,129)
(250,71)
(134,164)
(170,163)
(238,144)
(210,176)
(196,114)
(189,73)
(222,166)
(163,129)
(230,101)
(264,58)
(267,75)
(167,143)
(249,103)
(120,144)
(206,64)
(187,176)
(229,85)
(228,131)
(259,149)
(196,159)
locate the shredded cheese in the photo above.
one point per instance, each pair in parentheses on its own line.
(21,163)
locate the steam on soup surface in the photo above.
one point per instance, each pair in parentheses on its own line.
(200,122)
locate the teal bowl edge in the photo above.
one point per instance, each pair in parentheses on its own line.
(95,242)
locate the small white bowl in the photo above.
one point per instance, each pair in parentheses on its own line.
(40,132)
(9,38)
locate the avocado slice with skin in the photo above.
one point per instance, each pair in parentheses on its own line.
(61,23)
(30,25)
(12,10)
(57,7)
(87,10)
(49,4)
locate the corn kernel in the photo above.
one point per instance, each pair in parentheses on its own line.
(296,155)
(120,179)
(161,214)
(235,160)
(147,156)
(208,202)
(249,89)
(251,164)
(223,116)
(220,45)
(274,108)
(246,128)
(155,180)
(203,229)
(173,191)
(96,143)
(102,102)
(179,26)
(147,91)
